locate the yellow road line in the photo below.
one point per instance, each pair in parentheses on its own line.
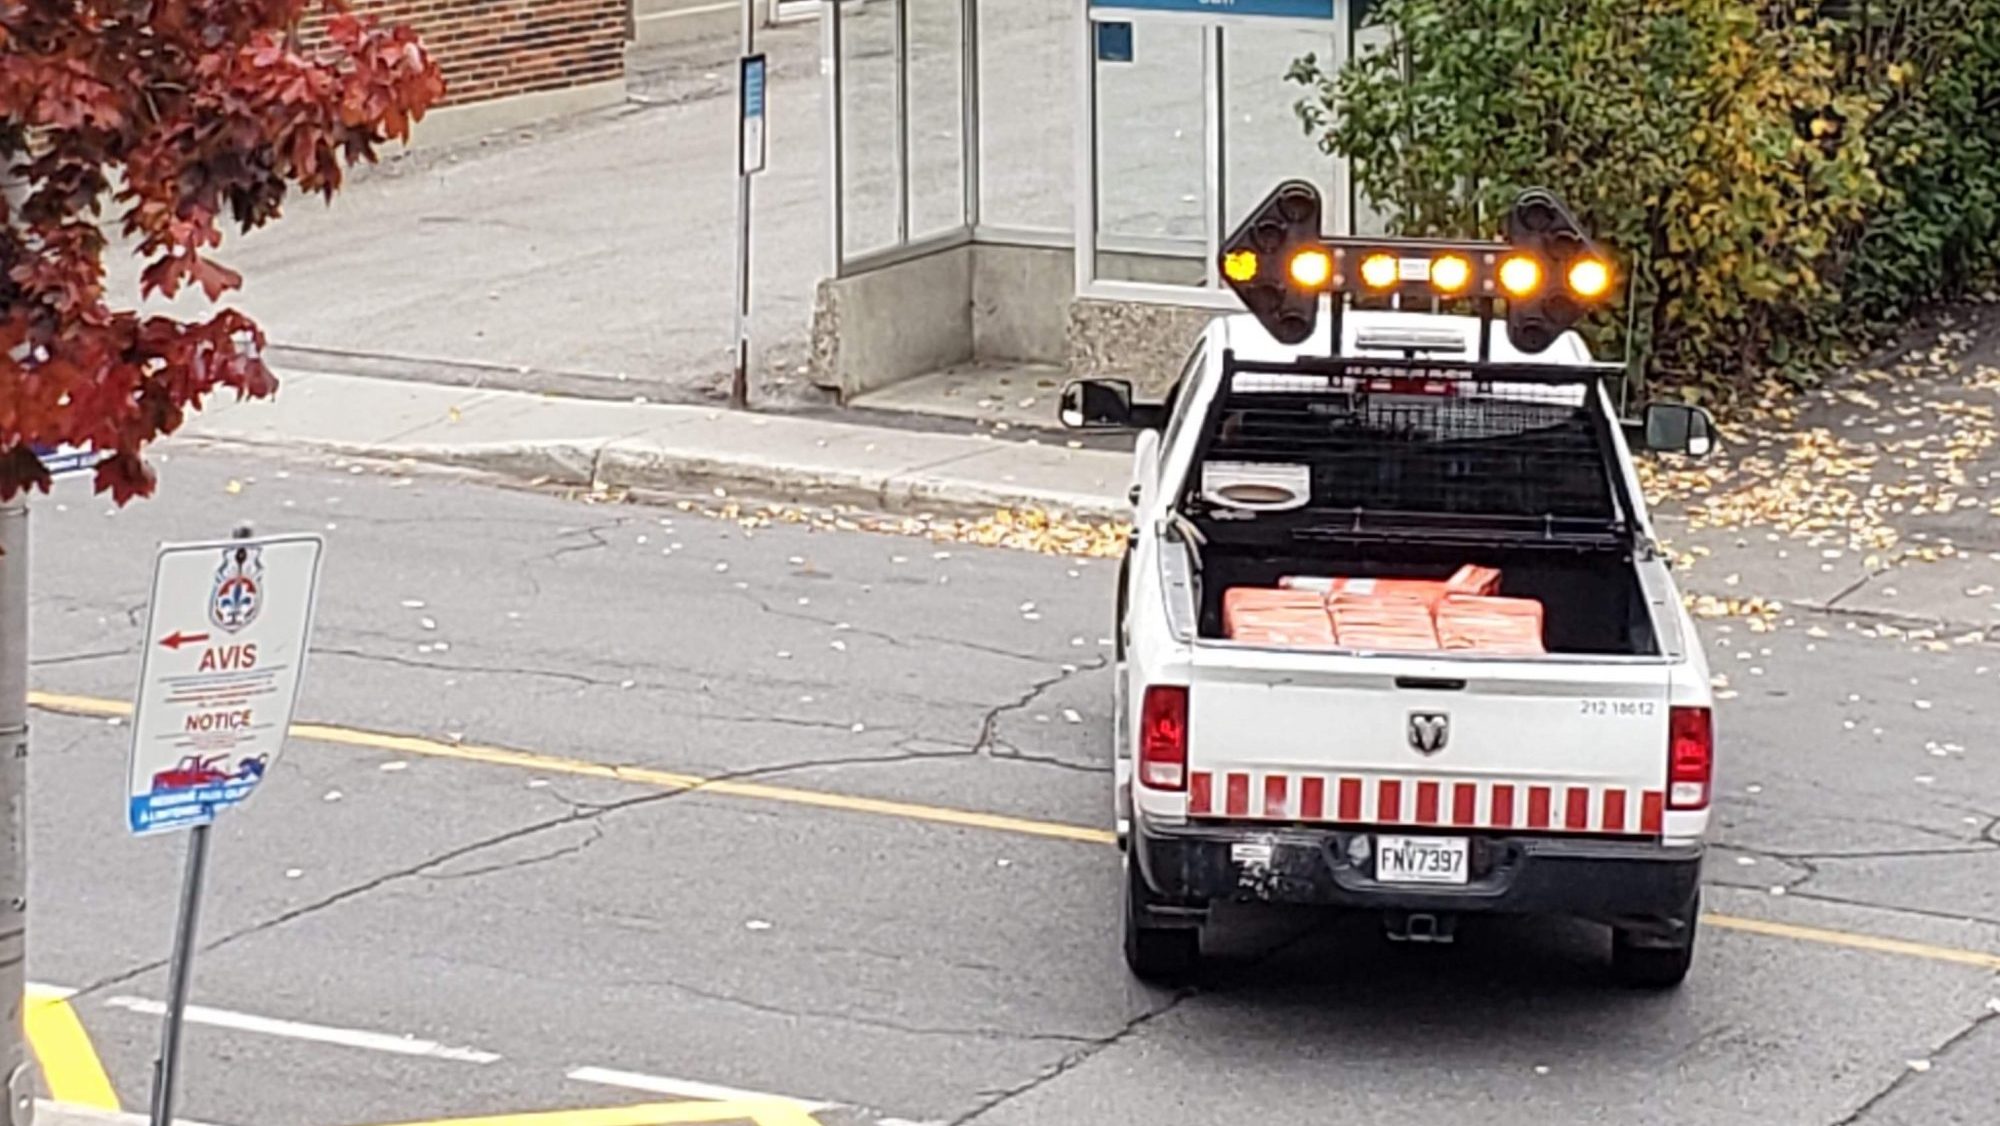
(69,1063)
(666,780)
(763,1112)
(782,1112)
(500,756)
(1854,941)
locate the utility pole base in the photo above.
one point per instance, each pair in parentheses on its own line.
(15,1062)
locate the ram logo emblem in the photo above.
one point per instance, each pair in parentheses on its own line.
(1429,732)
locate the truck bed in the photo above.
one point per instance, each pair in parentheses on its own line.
(1568,742)
(1592,602)
(1329,469)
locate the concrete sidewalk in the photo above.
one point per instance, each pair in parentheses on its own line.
(792,459)
(683,449)
(598,249)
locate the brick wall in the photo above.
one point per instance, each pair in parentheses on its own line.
(493,48)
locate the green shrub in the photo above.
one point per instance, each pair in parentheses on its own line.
(1773,181)
(1933,69)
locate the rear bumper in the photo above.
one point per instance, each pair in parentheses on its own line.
(1603,879)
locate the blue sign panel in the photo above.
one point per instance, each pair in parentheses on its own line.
(1114,41)
(753,86)
(1286,9)
(186,806)
(68,461)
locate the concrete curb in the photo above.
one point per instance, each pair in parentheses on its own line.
(646,466)
(680,449)
(638,465)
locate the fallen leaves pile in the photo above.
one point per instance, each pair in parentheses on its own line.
(1762,613)
(1889,445)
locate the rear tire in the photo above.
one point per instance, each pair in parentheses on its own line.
(1638,961)
(1161,955)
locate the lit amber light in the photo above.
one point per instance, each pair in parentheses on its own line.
(1589,277)
(1379,271)
(1451,273)
(1520,275)
(1311,268)
(1240,265)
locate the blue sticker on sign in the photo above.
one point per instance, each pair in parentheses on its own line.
(67,461)
(1114,42)
(173,805)
(1285,9)
(753,86)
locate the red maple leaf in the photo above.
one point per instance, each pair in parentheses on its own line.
(164,117)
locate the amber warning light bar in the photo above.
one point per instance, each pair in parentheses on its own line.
(1546,269)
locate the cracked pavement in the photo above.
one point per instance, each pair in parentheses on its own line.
(928,972)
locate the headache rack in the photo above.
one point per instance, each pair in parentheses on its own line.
(1440,452)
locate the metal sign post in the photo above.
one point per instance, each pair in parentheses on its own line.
(752,153)
(224,650)
(167,1066)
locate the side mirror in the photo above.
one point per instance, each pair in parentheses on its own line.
(1676,428)
(1097,404)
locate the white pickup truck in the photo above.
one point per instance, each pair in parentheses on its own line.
(1572,781)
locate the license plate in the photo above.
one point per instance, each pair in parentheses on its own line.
(1421,860)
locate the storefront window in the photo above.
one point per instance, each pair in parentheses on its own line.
(1264,141)
(935,47)
(870,188)
(1152,167)
(1027,115)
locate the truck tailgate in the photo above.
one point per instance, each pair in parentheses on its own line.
(1537,745)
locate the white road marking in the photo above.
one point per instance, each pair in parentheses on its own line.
(686,1088)
(320,1033)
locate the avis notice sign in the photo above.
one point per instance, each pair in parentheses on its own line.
(224,649)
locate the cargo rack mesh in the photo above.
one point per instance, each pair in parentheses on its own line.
(1487,451)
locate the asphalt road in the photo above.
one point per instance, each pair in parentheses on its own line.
(547,922)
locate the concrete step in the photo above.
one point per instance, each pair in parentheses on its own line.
(670,21)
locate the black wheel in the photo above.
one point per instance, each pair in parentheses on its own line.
(1639,960)
(1163,955)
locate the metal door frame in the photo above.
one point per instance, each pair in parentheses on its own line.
(1215,141)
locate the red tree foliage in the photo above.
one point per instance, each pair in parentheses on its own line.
(170,117)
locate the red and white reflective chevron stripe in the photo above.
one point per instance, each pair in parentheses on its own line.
(1445,803)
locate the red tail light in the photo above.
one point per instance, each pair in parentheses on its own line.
(1690,757)
(1163,739)
(1409,385)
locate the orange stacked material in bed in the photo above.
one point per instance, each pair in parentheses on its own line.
(1382,622)
(1468,579)
(1490,625)
(1292,619)
(1473,579)
(1426,591)
(1462,613)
